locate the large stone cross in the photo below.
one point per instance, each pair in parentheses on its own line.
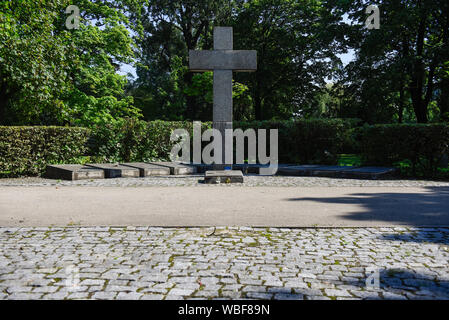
(223,60)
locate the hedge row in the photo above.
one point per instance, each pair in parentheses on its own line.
(136,140)
(302,141)
(308,141)
(422,146)
(27,150)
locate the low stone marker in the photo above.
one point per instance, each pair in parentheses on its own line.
(148,169)
(177,168)
(116,170)
(221,176)
(73,172)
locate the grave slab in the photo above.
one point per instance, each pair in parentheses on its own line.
(148,169)
(304,170)
(223,176)
(338,171)
(370,173)
(112,170)
(73,172)
(177,168)
(255,168)
(331,171)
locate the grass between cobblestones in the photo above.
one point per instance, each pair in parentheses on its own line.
(224,263)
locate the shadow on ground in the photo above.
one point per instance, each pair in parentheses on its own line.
(411,209)
(393,284)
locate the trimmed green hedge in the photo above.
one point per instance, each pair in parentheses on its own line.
(136,140)
(417,148)
(307,141)
(27,150)
(302,141)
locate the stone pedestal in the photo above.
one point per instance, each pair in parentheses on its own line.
(223,176)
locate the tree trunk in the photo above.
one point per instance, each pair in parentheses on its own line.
(258,104)
(4,100)
(401,103)
(191,109)
(443,101)
(418,75)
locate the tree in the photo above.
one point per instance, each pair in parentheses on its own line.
(405,60)
(170,29)
(51,75)
(34,63)
(296,42)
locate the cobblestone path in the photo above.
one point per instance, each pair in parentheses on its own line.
(228,263)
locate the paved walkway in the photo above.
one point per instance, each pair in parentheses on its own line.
(223,206)
(185,263)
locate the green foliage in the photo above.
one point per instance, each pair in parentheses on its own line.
(400,71)
(301,141)
(51,75)
(292,39)
(35,61)
(349,160)
(136,140)
(306,141)
(202,89)
(289,37)
(27,150)
(416,148)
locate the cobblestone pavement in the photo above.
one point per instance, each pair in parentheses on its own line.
(249,181)
(179,263)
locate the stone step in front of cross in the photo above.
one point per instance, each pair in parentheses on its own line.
(223,176)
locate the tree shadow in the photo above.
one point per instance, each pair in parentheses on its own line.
(430,208)
(393,284)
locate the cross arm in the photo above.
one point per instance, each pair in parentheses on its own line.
(236,60)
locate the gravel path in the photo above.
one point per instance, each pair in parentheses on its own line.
(227,263)
(250,181)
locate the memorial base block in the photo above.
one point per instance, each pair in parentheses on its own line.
(223,176)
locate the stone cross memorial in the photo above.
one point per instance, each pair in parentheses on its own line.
(223,60)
